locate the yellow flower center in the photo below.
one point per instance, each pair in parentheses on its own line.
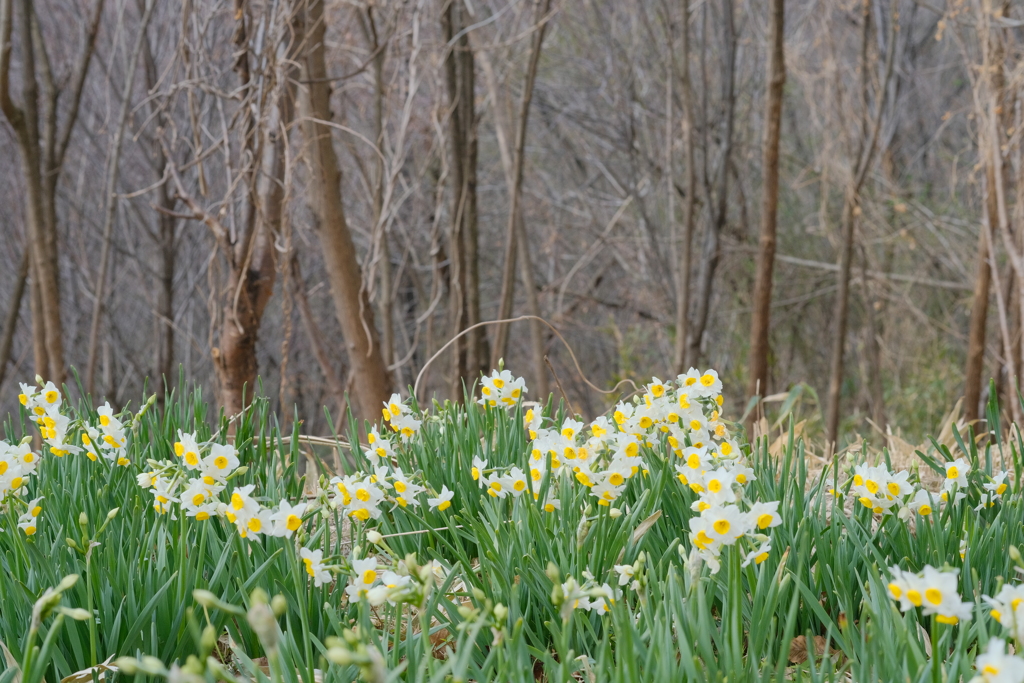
(933,595)
(914,597)
(616,479)
(764,520)
(953,472)
(722,526)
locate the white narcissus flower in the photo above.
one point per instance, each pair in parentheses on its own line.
(187,448)
(998,666)
(443,500)
(364,576)
(287,519)
(221,461)
(625,572)
(313,560)
(956,473)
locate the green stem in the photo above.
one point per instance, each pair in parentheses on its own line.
(936,671)
(299,573)
(89,606)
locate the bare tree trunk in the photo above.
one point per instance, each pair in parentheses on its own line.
(680,361)
(11,321)
(760,317)
(979,307)
(386,297)
(335,385)
(372,384)
(516,230)
(979,304)
(719,212)
(42,144)
(251,257)
(470,352)
(851,210)
(166,255)
(110,200)
(163,294)
(874,353)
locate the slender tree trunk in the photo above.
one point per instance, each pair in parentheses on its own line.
(164,261)
(680,360)
(876,389)
(451,25)
(719,212)
(982,281)
(387,340)
(42,144)
(851,210)
(11,321)
(251,257)
(372,384)
(979,307)
(470,352)
(335,385)
(110,199)
(516,230)
(760,317)
(164,332)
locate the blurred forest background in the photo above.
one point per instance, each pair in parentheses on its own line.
(321,193)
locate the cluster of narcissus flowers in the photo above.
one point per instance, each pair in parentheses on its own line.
(403,581)
(17,464)
(107,439)
(501,389)
(884,492)
(997,665)
(400,417)
(197,480)
(934,591)
(680,420)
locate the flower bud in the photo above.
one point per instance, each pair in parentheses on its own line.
(340,656)
(374,537)
(67,582)
(263,624)
(76,613)
(615,513)
(500,612)
(128,666)
(279,605)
